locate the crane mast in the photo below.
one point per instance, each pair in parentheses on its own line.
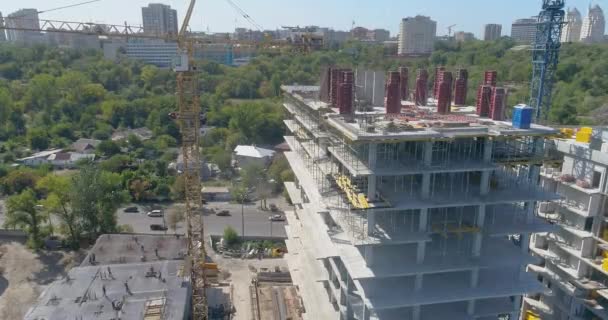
(545,56)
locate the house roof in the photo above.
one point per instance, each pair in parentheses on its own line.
(84,144)
(282,147)
(253,152)
(62,156)
(42,154)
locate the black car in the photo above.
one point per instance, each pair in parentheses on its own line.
(132,209)
(158,227)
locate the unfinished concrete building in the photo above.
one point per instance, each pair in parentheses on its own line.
(414,215)
(154,290)
(575,265)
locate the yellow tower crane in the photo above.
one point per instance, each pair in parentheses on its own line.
(188,117)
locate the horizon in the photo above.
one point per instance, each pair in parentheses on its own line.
(382,14)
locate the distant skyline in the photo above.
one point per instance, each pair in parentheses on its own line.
(219,16)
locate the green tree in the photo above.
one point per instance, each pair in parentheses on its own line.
(22,213)
(108,148)
(38,139)
(58,202)
(230,236)
(174,218)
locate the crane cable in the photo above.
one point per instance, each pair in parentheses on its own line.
(54,9)
(245,15)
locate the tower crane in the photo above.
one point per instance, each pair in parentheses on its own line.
(545,56)
(188,117)
(450,28)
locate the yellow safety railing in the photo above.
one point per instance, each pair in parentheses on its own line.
(356,198)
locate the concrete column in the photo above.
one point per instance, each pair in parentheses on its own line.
(416,313)
(366,312)
(418,282)
(474,277)
(423,220)
(484,184)
(369,256)
(426,185)
(471,307)
(428,153)
(530,208)
(371,222)
(420,252)
(371,180)
(487,150)
(525,245)
(481,217)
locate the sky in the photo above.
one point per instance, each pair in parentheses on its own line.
(219,16)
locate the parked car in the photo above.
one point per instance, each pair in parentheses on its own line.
(155,214)
(273,207)
(158,227)
(131,209)
(276,217)
(223,213)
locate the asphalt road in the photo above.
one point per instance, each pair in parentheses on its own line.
(256,221)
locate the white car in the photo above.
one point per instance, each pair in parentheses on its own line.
(155,214)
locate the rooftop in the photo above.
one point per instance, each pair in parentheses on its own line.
(155,290)
(125,248)
(253,152)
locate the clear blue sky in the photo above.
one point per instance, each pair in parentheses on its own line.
(218,16)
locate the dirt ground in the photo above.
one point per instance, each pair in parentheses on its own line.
(25,274)
(239,273)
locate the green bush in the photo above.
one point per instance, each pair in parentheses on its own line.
(230,236)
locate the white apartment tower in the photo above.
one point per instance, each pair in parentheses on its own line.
(572,28)
(594,26)
(574,268)
(410,217)
(417,36)
(159,19)
(24,19)
(492,32)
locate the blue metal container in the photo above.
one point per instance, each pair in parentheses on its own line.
(522,116)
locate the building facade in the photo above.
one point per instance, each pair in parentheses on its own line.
(594,26)
(2,32)
(572,28)
(396,220)
(462,36)
(417,36)
(524,30)
(492,32)
(159,19)
(574,268)
(24,19)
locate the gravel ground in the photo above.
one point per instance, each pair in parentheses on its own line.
(25,274)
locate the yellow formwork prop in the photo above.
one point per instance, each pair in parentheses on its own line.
(532,316)
(605,264)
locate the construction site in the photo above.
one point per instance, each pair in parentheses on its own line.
(421,208)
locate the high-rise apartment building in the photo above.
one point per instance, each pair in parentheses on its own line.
(462,36)
(524,30)
(408,216)
(572,28)
(574,267)
(492,32)
(594,26)
(159,19)
(417,36)
(24,19)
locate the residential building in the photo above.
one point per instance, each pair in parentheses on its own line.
(24,19)
(251,155)
(334,38)
(574,268)
(159,19)
(594,26)
(155,52)
(462,36)
(524,30)
(492,32)
(72,40)
(68,160)
(85,145)
(572,29)
(410,215)
(38,158)
(417,36)
(359,33)
(379,35)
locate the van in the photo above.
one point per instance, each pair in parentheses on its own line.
(155,213)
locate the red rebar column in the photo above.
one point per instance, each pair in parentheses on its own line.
(461,87)
(325,90)
(438,71)
(345,92)
(336,79)
(421,87)
(444,94)
(404,88)
(490,78)
(484,100)
(392,98)
(498,104)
